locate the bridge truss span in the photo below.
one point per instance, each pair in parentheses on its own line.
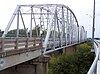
(56,24)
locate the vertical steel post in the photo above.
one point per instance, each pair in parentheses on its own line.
(54,36)
(63,26)
(58,30)
(18,22)
(67,28)
(68,19)
(31,22)
(86,36)
(78,34)
(40,21)
(42,51)
(70,28)
(93,27)
(47,19)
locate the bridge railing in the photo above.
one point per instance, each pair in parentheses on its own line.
(92,69)
(18,45)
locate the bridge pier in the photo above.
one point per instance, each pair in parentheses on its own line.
(35,66)
(41,64)
(70,49)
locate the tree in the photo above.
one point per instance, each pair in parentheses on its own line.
(13,33)
(72,63)
(64,64)
(22,33)
(84,58)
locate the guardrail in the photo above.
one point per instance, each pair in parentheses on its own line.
(94,64)
(18,45)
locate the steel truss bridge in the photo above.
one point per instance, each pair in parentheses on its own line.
(47,27)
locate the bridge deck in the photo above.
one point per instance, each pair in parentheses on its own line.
(17,50)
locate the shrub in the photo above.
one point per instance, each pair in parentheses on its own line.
(72,63)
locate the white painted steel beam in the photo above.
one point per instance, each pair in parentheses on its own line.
(49,29)
(9,23)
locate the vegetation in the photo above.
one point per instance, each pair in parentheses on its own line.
(12,33)
(72,63)
(22,32)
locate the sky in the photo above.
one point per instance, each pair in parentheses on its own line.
(83,9)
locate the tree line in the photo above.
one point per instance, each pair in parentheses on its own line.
(35,32)
(22,32)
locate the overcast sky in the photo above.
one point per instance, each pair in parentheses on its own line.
(79,7)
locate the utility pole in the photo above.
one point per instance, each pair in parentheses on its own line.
(93,27)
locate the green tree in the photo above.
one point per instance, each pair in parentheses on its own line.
(72,63)
(64,64)
(22,33)
(12,33)
(84,58)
